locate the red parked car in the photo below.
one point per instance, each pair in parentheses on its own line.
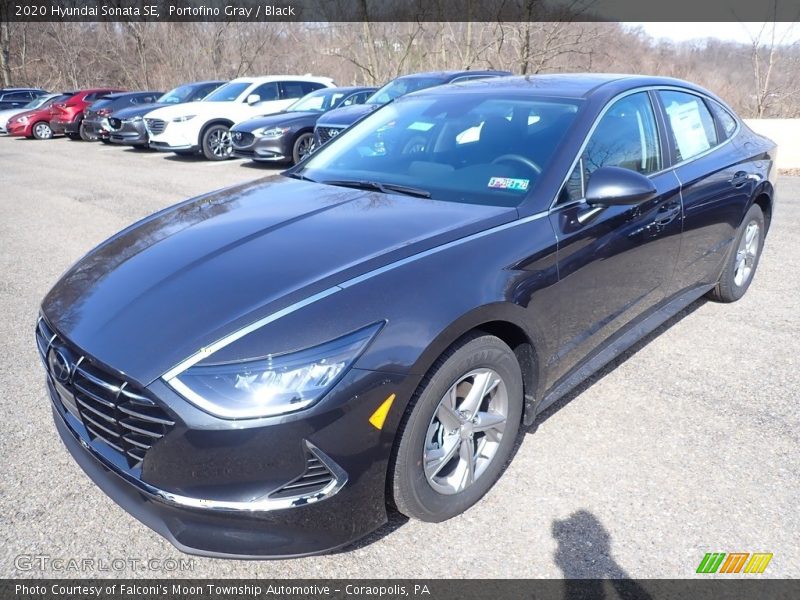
(36,123)
(66,117)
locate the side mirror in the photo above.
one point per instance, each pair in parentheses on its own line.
(253,99)
(614,186)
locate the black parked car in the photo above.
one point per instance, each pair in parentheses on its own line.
(289,135)
(338,120)
(95,124)
(126,126)
(18,97)
(259,371)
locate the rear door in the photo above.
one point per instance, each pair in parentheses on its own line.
(716,184)
(614,263)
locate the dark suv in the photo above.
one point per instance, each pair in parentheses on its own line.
(18,97)
(336,121)
(127,125)
(95,119)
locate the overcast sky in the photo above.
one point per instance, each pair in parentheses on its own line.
(742,32)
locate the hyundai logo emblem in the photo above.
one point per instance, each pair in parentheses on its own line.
(59,365)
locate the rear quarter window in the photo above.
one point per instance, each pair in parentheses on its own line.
(692,126)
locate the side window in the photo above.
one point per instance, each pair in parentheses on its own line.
(17,97)
(204,91)
(291,90)
(266,91)
(91,97)
(726,122)
(626,136)
(693,130)
(310,86)
(357,98)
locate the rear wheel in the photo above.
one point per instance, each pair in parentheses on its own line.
(459,431)
(42,131)
(216,143)
(303,146)
(85,135)
(740,267)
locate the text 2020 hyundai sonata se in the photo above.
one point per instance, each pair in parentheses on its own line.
(262,370)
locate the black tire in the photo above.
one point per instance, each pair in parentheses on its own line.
(74,136)
(730,287)
(412,492)
(213,145)
(303,146)
(41,130)
(85,135)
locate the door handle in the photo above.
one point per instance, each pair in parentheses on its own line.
(741,178)
(666,215)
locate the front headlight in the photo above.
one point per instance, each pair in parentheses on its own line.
(183,119)
(272,385)
(270,132)
(135,119)
(22,120)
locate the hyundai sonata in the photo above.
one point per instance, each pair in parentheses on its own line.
(261,371)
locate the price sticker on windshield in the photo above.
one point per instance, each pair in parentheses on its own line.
(507,183)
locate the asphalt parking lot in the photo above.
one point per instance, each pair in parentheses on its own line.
(688,444)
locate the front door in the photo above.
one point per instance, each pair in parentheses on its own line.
(614,262)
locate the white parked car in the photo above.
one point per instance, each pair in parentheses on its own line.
(204,126)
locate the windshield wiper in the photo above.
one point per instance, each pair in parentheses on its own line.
(299,176)
(386,188)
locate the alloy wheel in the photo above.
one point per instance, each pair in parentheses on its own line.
(746,253)
(219,141)
(465,431)
(305,146)
(42,131)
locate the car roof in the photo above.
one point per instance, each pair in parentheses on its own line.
(452,74)
(117,95)
(268,78)
(564,85)
(20,89)
(350,88)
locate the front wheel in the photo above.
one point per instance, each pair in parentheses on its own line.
(216,143)
(42,131)
(303,146)
(459,430)
(740,267)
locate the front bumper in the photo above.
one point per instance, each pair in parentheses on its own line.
(264,149)
(99,128)
(206,485)
(175,136)
(19,130)
(132,133)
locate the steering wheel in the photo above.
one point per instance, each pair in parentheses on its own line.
(520,159)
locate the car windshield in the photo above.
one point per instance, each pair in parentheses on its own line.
(463,147)
(228,92)
(37,102)
(401,87)
(319,101)
(176,96)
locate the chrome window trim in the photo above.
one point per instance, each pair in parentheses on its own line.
(554,205)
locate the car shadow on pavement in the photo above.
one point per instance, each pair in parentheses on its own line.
(611,366)
(584,557)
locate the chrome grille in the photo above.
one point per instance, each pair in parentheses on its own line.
(316,477)
(325,134)
(155,126)
(111,409)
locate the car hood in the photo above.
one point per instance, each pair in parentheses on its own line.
(165,287)
(235,111)
(347,115)
(286,119)
(139,111)
(25,113)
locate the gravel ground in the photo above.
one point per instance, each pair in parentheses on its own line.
(688,444)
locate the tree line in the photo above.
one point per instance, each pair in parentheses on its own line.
(756,75)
